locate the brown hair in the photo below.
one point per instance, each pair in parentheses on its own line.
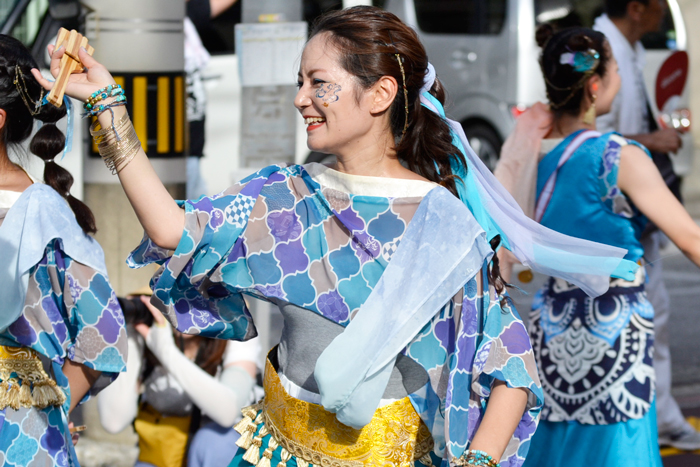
(211,354)
(368,40)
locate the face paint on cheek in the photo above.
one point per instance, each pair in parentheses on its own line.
(328,93)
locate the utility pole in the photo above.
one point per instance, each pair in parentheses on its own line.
(142,44)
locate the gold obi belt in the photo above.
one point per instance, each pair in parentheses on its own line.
(396,435)
(24,381)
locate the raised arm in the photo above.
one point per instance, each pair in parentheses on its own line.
(156,210)
(640,180)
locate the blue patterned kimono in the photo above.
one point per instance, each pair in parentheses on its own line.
(69,312)
(290,234)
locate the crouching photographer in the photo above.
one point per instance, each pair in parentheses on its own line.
(182,393)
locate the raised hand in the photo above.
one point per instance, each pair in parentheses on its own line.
(80,85)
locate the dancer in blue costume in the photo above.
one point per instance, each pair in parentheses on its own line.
(61,326)
(399,346)
(594,354)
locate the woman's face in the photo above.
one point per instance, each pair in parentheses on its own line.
(609,85)
(337,113)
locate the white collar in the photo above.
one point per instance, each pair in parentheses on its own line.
(364,185)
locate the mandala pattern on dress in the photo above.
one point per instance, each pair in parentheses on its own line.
(590,376)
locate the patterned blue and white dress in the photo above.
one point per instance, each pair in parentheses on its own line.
(317,241)
(69,312)
(594,354)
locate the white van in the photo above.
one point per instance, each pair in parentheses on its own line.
(485,53)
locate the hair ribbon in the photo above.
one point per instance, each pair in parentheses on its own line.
(584,263)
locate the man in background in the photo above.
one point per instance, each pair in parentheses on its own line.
(624,25)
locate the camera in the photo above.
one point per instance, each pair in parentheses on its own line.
(135,312)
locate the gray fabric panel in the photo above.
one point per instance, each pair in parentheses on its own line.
(306,335)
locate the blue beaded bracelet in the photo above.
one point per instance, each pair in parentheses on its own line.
(476,458)
(98,109)
(113,90)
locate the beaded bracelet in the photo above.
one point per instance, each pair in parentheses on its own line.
(476,458)
(95,110)
(112,90)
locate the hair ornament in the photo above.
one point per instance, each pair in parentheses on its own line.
(582,61)
(405,94)
(24,93)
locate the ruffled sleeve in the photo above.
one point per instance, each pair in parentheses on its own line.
(71,311)
(200,285)
(492,345)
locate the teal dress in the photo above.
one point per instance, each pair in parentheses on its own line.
(594,354)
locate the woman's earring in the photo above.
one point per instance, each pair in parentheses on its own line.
(590,115)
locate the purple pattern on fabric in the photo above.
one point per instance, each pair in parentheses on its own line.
(23,332)
(273,291)
(445,332)
(332,306)
(514,338)
(238,251)
(284,225)
(108,329)
(217,218)
(292,257)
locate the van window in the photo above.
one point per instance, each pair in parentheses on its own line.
(567,13)
(29,22)
(461,16)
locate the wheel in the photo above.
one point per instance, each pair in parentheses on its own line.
(485,142)
(321,158)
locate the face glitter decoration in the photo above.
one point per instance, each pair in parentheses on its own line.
(328,93)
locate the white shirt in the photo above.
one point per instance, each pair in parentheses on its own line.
(629,113)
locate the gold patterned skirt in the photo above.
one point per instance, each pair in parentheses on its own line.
(290,427)
(24,381)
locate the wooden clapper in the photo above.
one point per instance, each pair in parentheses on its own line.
(70,63)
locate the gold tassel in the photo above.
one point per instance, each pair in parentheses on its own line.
(13,395)
(284,458)
(3,394)
(267,454)
(251,411)
(426,460)
(245,422)
(246,437)
(25,394)
(43,395)
(252,455)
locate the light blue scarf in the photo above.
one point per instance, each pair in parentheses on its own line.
(39,216)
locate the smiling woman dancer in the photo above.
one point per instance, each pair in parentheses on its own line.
(398,346)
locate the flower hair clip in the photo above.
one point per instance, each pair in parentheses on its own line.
(582,61)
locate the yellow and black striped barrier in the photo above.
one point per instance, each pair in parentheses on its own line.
(156,104)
